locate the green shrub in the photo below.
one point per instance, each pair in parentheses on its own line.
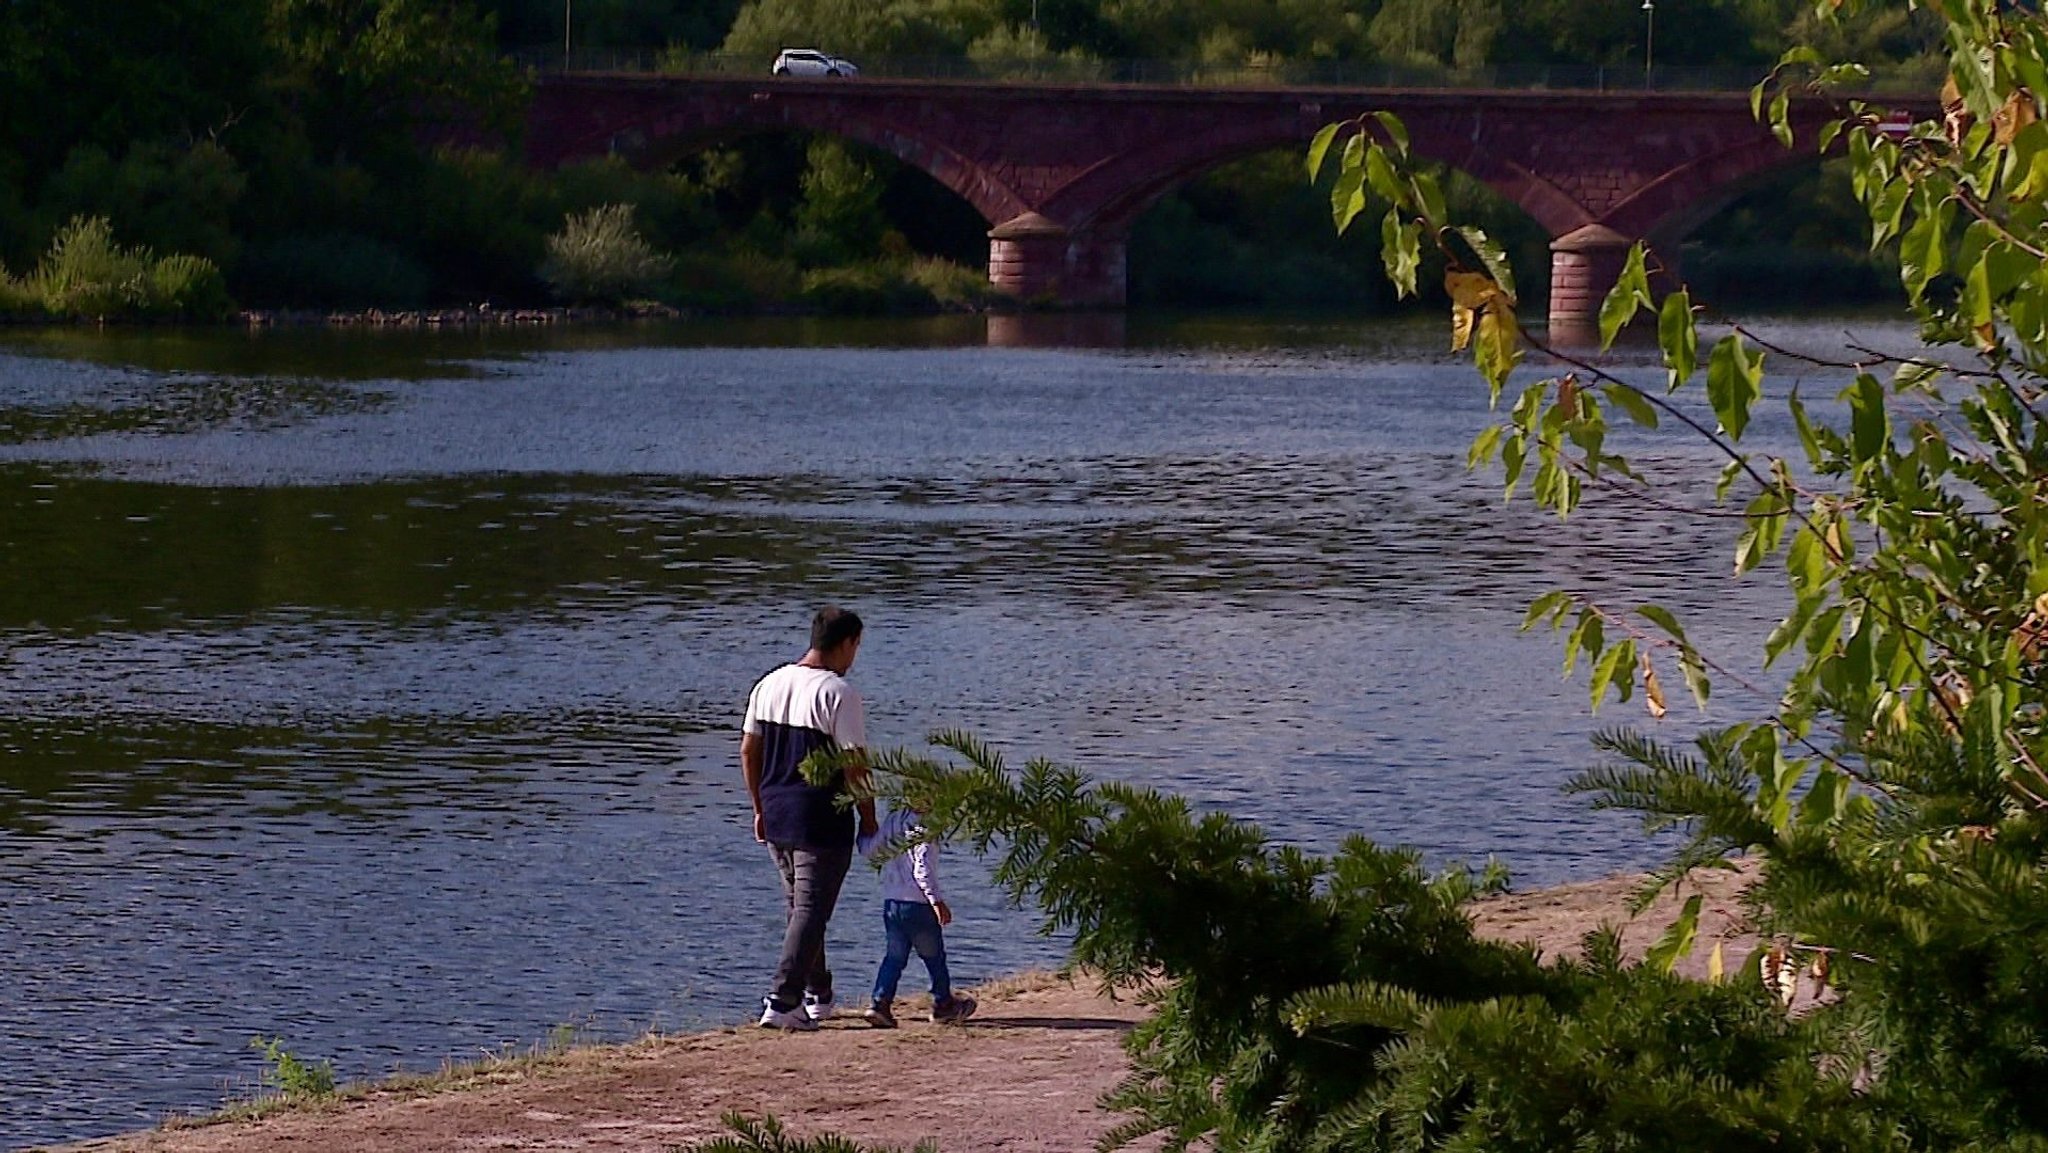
(953,285)
(289,1075)
(599,256)
(187,287)
(738,279)
(866,290)
(87,275)
(15,297)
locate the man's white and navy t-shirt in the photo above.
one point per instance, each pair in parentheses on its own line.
(795,711)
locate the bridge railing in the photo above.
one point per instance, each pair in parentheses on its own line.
(1278,74)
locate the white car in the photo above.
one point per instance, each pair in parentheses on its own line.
(811,62)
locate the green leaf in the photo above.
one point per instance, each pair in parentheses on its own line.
(1616,668)
(1491,258)
(1552,604)
(1630,401)
(1319,150)
(1630,293)
(1588,637)
(1677,940)
(1825,800)
(1663,619)
(1734,383)
(1401,250)
(1870,427)
(1484,446)
(1396,132)
(1793,626)
(1347,197)
(1679,338)
(1808,439)
(1731,472)
(1381,177)
(1695,673)
(1923,253)
(1781,120)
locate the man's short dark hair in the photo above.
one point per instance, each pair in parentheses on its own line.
(832,627)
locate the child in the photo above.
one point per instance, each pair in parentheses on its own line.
(913,914)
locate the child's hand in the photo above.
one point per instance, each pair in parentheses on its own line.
(944,911)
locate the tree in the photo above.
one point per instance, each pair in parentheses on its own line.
(364,73)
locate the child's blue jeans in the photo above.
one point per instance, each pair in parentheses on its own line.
(912,926)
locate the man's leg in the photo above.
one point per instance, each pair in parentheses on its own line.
(811,883)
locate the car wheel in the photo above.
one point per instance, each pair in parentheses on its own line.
(782,71)
(833,72)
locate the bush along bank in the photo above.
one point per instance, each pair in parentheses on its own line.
(86,275)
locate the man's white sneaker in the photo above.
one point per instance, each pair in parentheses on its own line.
(791,1020)
(816,1009)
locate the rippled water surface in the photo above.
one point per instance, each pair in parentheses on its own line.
(378,692)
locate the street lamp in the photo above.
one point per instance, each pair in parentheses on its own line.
(568,5)
(1649,41)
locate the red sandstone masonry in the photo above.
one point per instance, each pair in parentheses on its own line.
(1079,164)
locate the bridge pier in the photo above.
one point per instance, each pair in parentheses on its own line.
(1584,264)
(1033,258)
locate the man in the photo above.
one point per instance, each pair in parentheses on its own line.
(794,711)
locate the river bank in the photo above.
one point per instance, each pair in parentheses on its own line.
(1024,1075)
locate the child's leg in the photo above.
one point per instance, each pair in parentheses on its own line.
(929,940)
(897,953)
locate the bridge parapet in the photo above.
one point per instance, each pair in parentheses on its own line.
(1064,71)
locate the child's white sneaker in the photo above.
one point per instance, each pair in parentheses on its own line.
(817,1009)
(791,1020)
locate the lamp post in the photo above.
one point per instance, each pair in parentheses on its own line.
(568,6)
(1649,42)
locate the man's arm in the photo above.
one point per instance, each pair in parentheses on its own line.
(750,768)
(857,778)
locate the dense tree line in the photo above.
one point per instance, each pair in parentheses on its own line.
(286,142)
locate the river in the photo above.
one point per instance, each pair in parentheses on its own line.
(377,691)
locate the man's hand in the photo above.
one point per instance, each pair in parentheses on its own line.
(760,827)
(944,911)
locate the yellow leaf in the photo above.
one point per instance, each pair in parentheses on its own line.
(1470,293)
(1473,290)
(1653,693)
(1819,973)
(1461,326)
(1568,396)
(1716,966)
(2015,114)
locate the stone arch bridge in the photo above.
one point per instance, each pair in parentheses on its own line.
(1062,172)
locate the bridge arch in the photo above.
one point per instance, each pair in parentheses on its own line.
(1060,172)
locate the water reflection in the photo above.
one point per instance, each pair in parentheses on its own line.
(378,693)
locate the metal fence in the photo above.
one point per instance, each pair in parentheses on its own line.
(1180,73)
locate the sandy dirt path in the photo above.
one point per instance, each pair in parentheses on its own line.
(1023,1075)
